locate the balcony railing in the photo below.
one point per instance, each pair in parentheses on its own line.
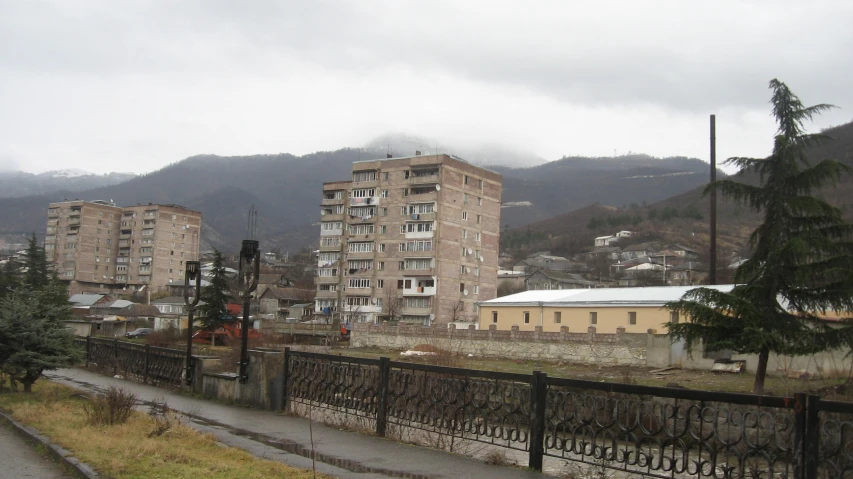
(332,201)
(426,179)
(327,279)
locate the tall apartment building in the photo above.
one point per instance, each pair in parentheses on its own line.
(414,238)
(98,246)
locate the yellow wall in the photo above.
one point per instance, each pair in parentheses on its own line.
(576,318)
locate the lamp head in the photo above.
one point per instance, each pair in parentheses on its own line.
(249,250)
(193,269)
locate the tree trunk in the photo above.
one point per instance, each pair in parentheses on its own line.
(28,387)
(761,371)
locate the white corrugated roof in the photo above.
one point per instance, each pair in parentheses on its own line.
(602,296)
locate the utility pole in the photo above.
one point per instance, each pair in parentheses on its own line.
(712,266)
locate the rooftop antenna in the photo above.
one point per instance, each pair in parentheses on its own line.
(252,223)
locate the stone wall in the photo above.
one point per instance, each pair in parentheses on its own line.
(587,347)
(634,349)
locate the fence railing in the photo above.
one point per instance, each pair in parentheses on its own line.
(140,362)
(640,430)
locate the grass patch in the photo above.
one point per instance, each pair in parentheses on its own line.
(129,450)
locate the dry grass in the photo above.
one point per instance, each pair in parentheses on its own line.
(126,450)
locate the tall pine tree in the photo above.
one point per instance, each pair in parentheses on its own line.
(214,312)
(36,275)
(802,255)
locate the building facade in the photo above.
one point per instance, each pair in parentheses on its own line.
(98,246)
(412,239)
(634,310)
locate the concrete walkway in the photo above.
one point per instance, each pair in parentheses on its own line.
(286,439)
(20,459)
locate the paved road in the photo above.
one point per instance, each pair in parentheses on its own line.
(19,459)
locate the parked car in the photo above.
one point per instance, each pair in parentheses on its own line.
(139,333)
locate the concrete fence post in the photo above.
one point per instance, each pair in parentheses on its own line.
(384,393)
(538,398)
(537,333)
(513,332)
(145,372)
(564,333)
(286,375)
(492,329)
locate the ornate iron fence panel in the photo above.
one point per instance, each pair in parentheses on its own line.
(483,406)
(166,366)
(342,384)
(161,366)
(660,432)
(835,456)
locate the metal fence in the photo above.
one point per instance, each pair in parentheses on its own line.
(153,365)
(640,430)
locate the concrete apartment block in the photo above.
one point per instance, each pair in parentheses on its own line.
(419,232)
(97,246)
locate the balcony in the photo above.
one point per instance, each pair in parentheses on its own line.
(123,243)
(124,236)
(423,179)
(418,286)
(73,220)
(419,234)
(366,201)
(331,201)
(332,247)
(415,311)
(331,216)
(327,294)
(123,259)
(327,280)
(421,217)
(335,232)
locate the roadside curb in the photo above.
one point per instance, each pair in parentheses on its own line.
(64,456)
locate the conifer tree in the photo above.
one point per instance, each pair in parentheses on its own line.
(36,275)
(33,337)
(214,312)
(802,255)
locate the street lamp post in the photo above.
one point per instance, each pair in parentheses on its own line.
(193,273)
(250,268)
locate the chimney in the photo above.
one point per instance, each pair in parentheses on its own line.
(388,155)
(417,152)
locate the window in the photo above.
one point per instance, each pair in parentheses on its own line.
(359,176)
(478,219)
(380,266)
(357,265)
(361,247)
(461,287)
(358,300)
(380,283)
(632,317)
(399,284)
(381,247)
(466,179)
(417,302)
(327,272)
(326,258)
(526,315)
(479,201)
(417,264)
(363,193)
(385,176)
(328,287)
(477,237)
(359,283)
(593,317)
(673,317)
(333,195)
(416,227)
(480,184)
(383,194)
(331,225)
(464,234)
(494,316)
(383,211)
(363,212)
(462,269)
(420,245)
(330,241)
(361,229)
(383,229)
(476,289)
(464,216)
(417,209)
(558,317)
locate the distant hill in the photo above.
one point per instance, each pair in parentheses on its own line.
(680,218)
(286,190)
(19,183)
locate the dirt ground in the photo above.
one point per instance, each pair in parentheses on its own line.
(830,388)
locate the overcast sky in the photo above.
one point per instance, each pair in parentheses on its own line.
(133,86)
